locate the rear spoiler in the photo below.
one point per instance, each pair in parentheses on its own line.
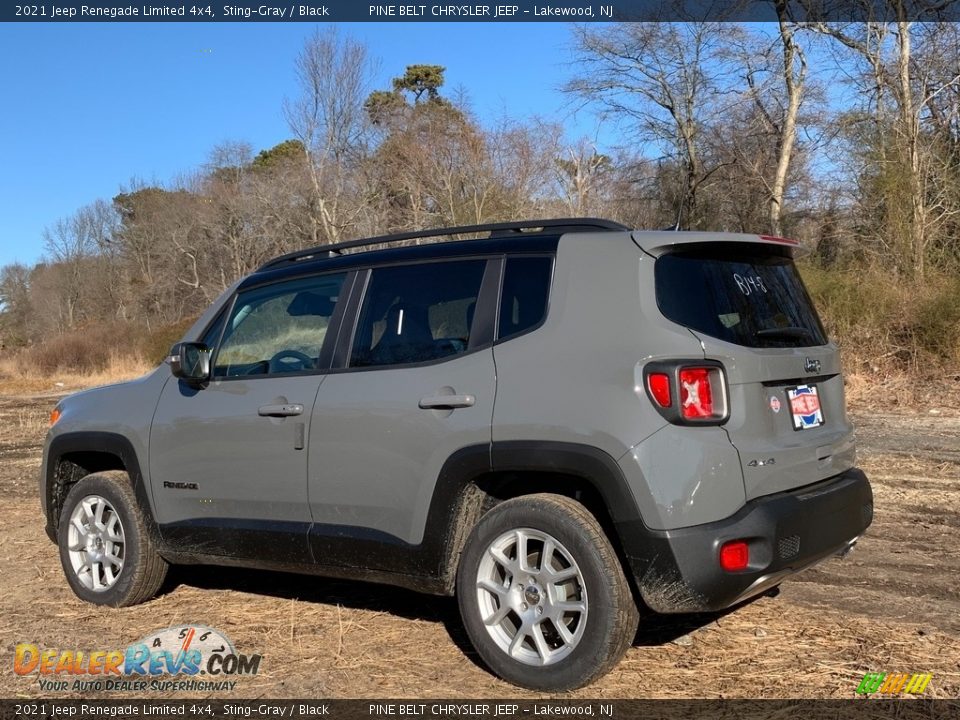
(660,242)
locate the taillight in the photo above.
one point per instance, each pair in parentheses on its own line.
(734,555)
(696,396)
(659,386)
(691,392)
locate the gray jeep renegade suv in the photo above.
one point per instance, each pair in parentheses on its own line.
(558,423)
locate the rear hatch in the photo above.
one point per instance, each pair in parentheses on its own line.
(746,304)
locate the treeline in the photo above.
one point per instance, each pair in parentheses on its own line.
(844,136)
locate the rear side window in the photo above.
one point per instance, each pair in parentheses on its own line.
(417,313)
(751,299)
(526,287)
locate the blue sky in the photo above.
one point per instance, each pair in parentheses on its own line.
(89,107)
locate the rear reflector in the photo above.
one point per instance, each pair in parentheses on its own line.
(734,555)
(659,385)
(696,395)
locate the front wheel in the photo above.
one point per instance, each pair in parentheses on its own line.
(542,594)
(105,546)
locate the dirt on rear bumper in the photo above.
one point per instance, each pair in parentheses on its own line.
(678,571)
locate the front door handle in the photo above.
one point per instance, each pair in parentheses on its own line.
(447,402)
(285,410)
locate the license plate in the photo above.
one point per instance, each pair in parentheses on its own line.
(805,409)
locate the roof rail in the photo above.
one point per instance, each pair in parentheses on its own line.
(502,229)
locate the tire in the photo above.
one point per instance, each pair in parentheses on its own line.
(550,626)
(107,552)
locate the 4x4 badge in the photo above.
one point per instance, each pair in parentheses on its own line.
(811,365)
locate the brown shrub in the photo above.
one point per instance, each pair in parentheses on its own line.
(98,347)
(155,344)
(883,324)
(85,351)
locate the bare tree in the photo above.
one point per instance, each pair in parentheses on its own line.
(580,171)
(15,306)
(75,245)
(886,49)
(667,79)
(523,158)
(794,76)
(760,134)
(328,119)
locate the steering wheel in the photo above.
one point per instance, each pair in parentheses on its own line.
(279,363)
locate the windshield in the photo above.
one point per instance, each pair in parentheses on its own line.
(749,298)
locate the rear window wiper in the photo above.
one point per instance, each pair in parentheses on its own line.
(785,332)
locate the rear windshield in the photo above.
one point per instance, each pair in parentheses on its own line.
(754,299)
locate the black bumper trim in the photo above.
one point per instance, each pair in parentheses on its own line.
(679,571)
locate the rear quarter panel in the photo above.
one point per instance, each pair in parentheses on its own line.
(578,379)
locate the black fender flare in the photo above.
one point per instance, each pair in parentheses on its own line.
(591,464)
(106,443)
(451,506)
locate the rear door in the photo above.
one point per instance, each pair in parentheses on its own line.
(747,305)
(415,384)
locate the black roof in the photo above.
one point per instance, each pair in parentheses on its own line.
(504,237)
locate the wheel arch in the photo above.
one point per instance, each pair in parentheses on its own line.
(471,483)
(73,456)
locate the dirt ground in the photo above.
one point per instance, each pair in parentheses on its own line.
(893,605)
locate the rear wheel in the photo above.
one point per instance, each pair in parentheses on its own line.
(106,550)
(542,594)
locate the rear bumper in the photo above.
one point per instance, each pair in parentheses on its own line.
(679,570)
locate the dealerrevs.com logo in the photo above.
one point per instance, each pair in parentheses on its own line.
(151,663)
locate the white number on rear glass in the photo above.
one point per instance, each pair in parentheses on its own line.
(749,284)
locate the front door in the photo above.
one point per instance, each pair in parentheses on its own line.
(228,461)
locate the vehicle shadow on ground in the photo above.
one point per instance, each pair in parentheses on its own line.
(654,629)
(353,594)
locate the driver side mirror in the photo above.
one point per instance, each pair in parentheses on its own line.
(190,361)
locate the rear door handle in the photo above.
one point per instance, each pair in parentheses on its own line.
(286,410)
(447,402)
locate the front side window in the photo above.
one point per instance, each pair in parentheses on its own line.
(279,328)
(417,313)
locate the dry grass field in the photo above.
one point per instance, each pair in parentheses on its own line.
(893,605)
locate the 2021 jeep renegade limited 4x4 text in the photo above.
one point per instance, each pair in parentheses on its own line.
(556,423)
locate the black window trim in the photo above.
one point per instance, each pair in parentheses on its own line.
(344,343)
(488,305)
(326,350)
